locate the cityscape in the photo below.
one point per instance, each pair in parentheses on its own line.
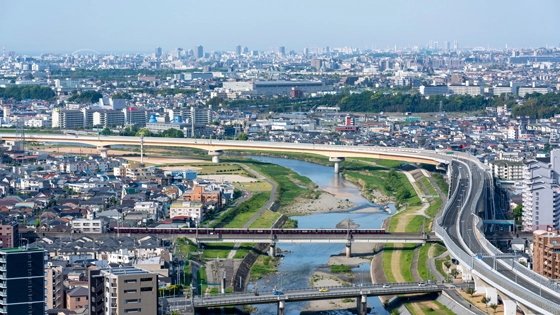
(214,160)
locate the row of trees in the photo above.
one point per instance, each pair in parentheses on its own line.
(538,105)
(35,92)
(135,132)
(86,97)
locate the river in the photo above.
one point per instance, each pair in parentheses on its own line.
(302,260)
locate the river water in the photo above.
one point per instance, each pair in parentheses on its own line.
(298,265)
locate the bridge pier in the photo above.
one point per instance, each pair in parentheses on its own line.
(337,161)
(281,307)
(215,154)
(272,249)
(348,250)
(103,150)
(361,305)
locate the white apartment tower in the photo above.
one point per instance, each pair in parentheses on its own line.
(541,194)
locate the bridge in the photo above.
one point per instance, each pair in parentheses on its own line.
(216,148)
(459,225)
(360,294)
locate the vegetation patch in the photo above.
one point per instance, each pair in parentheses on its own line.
(339,268)
(265,265)
(266,219)
(217,250)
(440,181)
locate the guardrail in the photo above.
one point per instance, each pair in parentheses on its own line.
(523,295)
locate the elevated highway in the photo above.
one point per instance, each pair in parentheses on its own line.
(459,226)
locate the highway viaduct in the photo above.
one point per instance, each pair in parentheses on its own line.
(461,220)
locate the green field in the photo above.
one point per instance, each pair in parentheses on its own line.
(386,260)
(265,265)
(243,250)
(425,274)
(265,220)
(222,168)
(216,250)
(442,184)
(236,217)
(254,186)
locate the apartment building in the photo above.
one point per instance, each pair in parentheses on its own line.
(122,290)
(541,194)
(204,193)
(507,170)
(193,209)
(546,253)
(108,118)
(67,119)
(89,225)
(133,171)
(9,233)
(22,281)
(54,288)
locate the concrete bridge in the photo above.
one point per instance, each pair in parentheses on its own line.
(360,294)
(216,148)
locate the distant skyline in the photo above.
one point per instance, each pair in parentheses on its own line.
(141,26)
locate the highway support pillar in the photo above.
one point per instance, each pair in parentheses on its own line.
(272,249)
(280,308)
(215,154)
(510,307)
(348,250)
(337,160)
(103,150)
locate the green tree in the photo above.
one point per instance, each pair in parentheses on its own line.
(106,132)
(173,133)
(518,213)
(242,137)
(37,222)
(470,291)
(143,132)
(485,300)
(454,273)
(86,97)
(395,312)
(494,306)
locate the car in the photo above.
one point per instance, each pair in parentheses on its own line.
(276,292)
(421,284)
(386,286)
(323,290)
(256,293)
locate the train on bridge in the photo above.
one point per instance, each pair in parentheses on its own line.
(223,231)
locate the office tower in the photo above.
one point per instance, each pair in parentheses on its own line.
(22,281)
(281,51)
(306,51)
(158,52)
(327,50)
(122,290)
(455,45)
(238,50)
(198,52)
(436,45)
(446,45)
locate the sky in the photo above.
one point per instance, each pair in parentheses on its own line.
(142,25)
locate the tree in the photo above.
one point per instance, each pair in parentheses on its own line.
(242,137)
(106,132)
(173,133)
(470,291)
(143,132)
(518,213)
(485,300)
(395,312)
(454,273)
(37,222)
(494,306)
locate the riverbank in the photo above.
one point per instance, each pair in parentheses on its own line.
(326,202)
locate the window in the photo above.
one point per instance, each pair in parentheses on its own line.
(77,299)
(133,310)
(146,289)
(132,301)
(129,280)
(130,291)
(145,279)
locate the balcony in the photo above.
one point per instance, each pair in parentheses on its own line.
(3,268)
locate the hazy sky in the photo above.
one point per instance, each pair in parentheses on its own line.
(142,25)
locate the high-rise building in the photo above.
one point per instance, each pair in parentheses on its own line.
(447,45)
(546,253)
(541,194)
(455,45)
(158,52)
(238,50)
(281,51)
(122,290)
(67,119)
(9,233)
(198,51)
(54,287)
(306,51)
(22,281)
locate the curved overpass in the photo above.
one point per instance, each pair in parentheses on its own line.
(401,154)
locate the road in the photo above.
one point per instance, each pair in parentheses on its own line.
(308,294)
(468,219)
